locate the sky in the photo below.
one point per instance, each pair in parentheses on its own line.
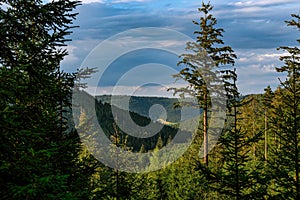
(254,29)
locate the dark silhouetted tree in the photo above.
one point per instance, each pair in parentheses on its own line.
(39,157)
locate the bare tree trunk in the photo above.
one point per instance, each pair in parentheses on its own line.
(253,134)
(205,134)
(266,137)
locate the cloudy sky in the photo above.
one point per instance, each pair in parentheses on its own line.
(254,29)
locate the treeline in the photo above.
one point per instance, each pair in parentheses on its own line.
(42,156)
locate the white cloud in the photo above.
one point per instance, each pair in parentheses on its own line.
(236,12)
(257,8)
(254,78)
(133,90)
(71,56)
(128,1)
(270,56)
(82,1)
(256,69)
(251,9)
(262,2)
(259,56)
(269,68)
(92,1)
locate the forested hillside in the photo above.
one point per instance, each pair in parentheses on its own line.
(49,145)
(106,120)
(142,105)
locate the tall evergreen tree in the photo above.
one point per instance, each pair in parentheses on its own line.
(252,121)
(286,125)
(267,103)
(235,178)
(198,69)
(276,103)
(38,157)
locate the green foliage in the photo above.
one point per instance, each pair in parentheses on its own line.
(42,157)
(207,52)
(199,66)
(39,158)
(235,178)
(106,121)
(285,123)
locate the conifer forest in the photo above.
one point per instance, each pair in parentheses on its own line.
(42,155)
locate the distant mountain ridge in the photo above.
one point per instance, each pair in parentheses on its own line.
(106,120)
(151,107)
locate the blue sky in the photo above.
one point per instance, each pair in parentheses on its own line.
(254,29)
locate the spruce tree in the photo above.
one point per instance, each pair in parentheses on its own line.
(207,54)
(285,123)
(236,177)
(39,157)
(267,102)
(252,122)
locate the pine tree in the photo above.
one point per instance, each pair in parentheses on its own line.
(285,123)
(235,178)
(267,103)
(276,103)
(252,122)
(207,53)
(39,157)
